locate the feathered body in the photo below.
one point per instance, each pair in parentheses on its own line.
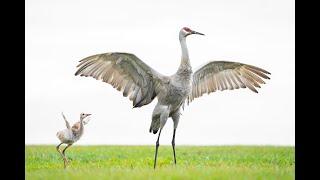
(72,134)
(127,73)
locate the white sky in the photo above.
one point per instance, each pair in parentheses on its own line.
(257,32)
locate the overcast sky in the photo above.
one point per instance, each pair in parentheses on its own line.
(257,32)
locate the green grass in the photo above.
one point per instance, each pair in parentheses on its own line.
(136,162)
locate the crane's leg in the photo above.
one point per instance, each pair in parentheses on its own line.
(57,147)
(175,118)
(64,159)
(156,154)
(173,146)
(64,156)
(165,110)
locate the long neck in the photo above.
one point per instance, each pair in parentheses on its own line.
(81,124)
(185,62)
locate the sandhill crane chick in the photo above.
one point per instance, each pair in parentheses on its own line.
(71,134)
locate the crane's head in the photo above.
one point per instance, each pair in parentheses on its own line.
(84,115)
(184,32)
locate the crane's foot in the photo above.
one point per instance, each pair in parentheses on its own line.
(174,154)
(155,156)
(64,164)
(67,161)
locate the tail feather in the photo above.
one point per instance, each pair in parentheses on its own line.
(59,135)
(155,125)
(155,131)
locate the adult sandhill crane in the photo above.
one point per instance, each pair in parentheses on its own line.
(71,134)
(130,75)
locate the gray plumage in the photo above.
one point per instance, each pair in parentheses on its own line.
(141,83)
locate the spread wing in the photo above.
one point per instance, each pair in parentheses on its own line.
(222,75)
(65,119)
(125,72)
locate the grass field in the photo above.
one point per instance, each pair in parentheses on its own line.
(136,162)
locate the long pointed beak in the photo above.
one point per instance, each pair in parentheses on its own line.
(88,114)
(195,32)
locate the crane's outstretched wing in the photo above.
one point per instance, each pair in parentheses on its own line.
(65,119)
(125,72)
(222,75)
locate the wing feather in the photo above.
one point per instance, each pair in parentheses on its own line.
(222,75)
(126,73)
(66,121)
